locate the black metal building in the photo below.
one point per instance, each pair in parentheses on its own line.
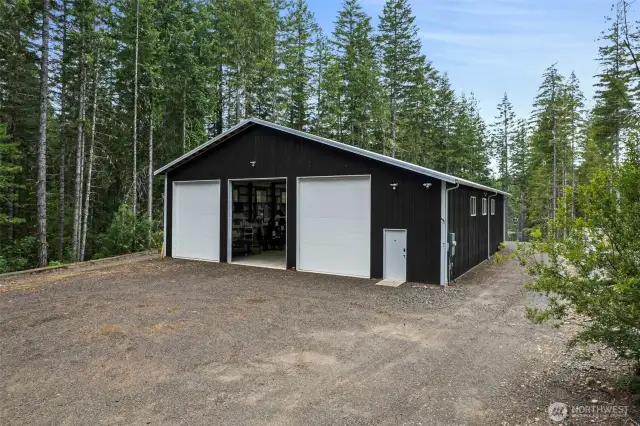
(267,195)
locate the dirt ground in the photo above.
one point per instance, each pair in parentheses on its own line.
(178,342)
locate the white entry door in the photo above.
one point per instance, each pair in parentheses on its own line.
(196,220)
(395,254)
(334,225)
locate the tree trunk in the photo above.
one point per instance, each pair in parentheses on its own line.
(134,175)
(237,105)
(393,121)
(573,173)
(77,216)
(219,119)
(522,214)
(150,177)
(184,118)
(87,198)
(63,140)
(41,184)
(505,174)
(554,182)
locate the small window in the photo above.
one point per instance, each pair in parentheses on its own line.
(261,196)
(484,207)
(493,206)
(473,206)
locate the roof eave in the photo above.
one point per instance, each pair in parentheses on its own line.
(244,124)
(360,151)
(201,148)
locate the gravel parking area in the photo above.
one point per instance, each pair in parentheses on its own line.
(166,341)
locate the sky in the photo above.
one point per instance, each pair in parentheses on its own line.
(490,47)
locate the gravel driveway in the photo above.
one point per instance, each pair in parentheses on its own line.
(179,342)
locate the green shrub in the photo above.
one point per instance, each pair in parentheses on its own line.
(19,255)
(127,234)
(591,264)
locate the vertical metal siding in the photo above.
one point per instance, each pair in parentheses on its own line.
(411,206)
(472,235)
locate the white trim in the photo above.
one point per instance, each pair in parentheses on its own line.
(164,219)
(332,177)
(298,221)
(258,178)
(195,181)
(473,203)
(443,232)
(363,152)
(384,250)
(492,205)
(230,217)
(173,215)
(484,206)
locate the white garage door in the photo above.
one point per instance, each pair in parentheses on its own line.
(334,225)
(196,220)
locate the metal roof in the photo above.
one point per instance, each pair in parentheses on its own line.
(249,122)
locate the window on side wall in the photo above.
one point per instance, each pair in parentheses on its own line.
(473,206)
(493,206)
(484,207)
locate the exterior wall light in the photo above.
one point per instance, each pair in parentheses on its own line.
(394,186)
(427,185)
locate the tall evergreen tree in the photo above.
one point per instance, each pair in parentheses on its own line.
(402,62)
(418,127)
(41,186)
(503,133)
(613,102)
(10,168)
(19,112)
(352,39)
(300,29)
(546,143)
(327,85)
(575,114)
(520,159)
(440,147)
(471,159)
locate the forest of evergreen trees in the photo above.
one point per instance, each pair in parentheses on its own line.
(96,94)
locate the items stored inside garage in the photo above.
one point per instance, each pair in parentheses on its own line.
(259,222)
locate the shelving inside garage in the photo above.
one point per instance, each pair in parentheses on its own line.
(258,218)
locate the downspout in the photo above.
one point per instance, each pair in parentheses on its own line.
(489,224)
(446,221)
